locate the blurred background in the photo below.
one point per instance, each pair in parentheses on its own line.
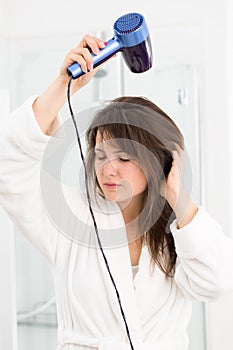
(192,80)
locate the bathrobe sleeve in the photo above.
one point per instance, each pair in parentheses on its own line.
(22,144)
(204,268)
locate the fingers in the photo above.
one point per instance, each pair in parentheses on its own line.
(178,152)
(178,158)
(163,188)
(95,44)
(175,156)
(82,53)
(83,57)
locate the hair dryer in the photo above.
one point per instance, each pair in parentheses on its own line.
(131,37)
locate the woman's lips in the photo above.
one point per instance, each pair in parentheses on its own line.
(111,185)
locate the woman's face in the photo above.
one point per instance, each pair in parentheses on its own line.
(119,176)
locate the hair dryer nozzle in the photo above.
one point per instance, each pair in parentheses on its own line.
(132,31)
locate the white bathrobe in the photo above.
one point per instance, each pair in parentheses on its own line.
(157,308)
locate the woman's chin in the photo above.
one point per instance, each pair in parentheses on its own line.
(115,197)
(112,197)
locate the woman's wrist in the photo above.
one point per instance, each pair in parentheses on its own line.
(184,208)
(62,83)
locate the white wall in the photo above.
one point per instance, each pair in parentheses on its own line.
(74,16)
(60,18)
(219,315)
(3,22)
(214,57)
(8,331)
(229,89)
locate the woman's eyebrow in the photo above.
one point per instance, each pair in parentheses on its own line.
(101,150)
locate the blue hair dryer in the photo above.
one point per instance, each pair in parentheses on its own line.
(131,37)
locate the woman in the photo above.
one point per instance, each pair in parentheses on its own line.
(135,173)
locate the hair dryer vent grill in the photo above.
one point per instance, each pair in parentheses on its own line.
(128,23)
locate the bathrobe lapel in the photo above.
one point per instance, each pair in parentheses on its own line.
(115,246)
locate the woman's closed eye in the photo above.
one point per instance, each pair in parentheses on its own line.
(122,158)
(100,157)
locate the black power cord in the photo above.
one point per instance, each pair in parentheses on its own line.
(92,213)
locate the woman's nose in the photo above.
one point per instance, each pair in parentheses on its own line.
(110,167)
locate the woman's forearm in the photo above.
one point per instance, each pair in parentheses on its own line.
(47,106)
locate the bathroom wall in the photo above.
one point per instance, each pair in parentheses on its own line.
(195,32)
(34,62)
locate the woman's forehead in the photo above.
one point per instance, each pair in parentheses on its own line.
(105,142)
(99,137)
(102,138)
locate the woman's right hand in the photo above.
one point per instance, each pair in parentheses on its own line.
(82,55)
(47,106)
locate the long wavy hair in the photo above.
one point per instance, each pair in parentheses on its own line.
(154,137)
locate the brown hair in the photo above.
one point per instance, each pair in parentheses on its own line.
(156,136)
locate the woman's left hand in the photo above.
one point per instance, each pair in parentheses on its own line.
(174,192)
(172,188)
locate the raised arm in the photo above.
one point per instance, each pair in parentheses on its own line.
(47,106)
(22,146)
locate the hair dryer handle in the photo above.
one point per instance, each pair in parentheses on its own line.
(112,46)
